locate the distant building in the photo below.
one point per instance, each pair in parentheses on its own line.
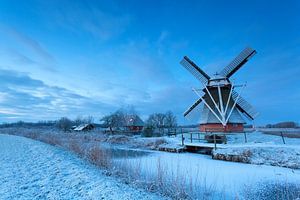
(84,127)
(133,123)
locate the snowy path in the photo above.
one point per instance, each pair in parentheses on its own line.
(33,170)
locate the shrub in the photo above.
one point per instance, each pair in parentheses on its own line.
(148,131)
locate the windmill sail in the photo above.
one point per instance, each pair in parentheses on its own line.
(238,62)
(244,106)
(192,107)
(195,70)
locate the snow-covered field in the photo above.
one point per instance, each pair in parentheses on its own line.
(33,170)
(196,175)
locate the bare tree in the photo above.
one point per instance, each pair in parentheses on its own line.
(162,120)
(170,120)
(89,119)
(64,124)
(156,120)
(78,121)
(83,120)
(129,110)
(115,120)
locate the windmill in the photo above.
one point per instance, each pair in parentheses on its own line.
(222,106)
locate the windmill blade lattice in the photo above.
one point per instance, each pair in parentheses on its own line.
(238,62)
(195,70)
(244,106)
(192,107)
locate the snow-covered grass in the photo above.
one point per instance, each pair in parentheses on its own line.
(189,176)
(275,155)
(90,148)
(260,148)
(34,170)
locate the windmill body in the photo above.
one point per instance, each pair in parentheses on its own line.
(223,108)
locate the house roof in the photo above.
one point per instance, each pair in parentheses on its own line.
(82,127)
(133,120)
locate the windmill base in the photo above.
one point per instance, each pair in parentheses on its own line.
(231,127)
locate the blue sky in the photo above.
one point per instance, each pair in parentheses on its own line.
(70,58)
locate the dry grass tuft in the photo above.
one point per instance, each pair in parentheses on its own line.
(99,157)
(75,147)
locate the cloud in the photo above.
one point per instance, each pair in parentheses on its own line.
(20,58)
(19,50)
(24,98)
(92,18)
(29,42)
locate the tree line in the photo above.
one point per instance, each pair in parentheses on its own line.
(156,120)
(283,125)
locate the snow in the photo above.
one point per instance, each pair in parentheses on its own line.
(260,149)
(225,178)
(229,178)
(198,174)
(34,170)
(276,155)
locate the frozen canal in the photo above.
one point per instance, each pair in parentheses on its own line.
(203,175)
(200,172)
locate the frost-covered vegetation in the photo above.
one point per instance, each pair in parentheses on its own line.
(88,147)
(283,156)
(34,170)
(179,176)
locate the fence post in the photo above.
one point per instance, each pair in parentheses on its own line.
(191,138)
(215,141)
(245,137)
(182,138)
(282,137)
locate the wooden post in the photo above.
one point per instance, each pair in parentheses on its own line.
(182,138)
(245,137)
(198,136)
(282,138)
(215,141)
(225,139)
(191,137)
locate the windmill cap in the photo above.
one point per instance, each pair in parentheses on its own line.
(218,80)
(217,76)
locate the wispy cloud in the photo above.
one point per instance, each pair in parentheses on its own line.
(87,17)
(28,99)
(21,49)
(29,42)
(20,58)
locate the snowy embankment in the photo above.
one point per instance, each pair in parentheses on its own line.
(34,170)
(275,155)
